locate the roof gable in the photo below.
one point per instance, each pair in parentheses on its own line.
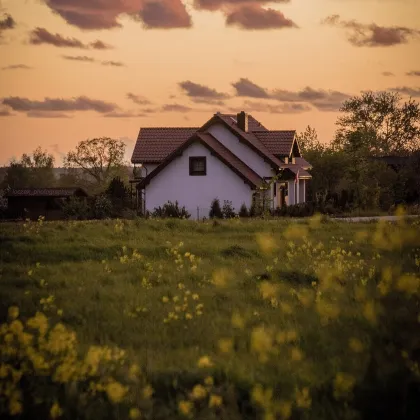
(219,151)
(278,142)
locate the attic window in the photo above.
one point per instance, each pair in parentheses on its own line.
(198,166)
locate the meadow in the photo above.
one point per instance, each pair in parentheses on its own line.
(238,319)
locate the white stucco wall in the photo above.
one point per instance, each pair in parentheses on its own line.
(174,183)
(148,167)
(245,153)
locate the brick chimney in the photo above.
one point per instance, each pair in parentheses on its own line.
(242,121)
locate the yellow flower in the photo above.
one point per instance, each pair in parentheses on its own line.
(165,299)
(343,384)
(355,345)
(115,391)
(296,354)
(209,381)
(408,283)
(134,413)
(266,243)
(15,407)
(185,407)
(204,362)
(237,321)
(13,312)
(56,411)
(59,312)
(195,296)
(221,277)
(198,392)
(215,401)
(188,316)
(147,392)
(303,399)
(187,254)
(268,290)
(369,312)
(225,345)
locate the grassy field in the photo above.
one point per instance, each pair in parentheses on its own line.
(233,319)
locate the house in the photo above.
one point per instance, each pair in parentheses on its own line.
(35,202)
(230,157)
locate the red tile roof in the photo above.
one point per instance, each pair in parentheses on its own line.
(45,192)
(278,142)
(303,163)
(154,144)
(221,152)
(294,168)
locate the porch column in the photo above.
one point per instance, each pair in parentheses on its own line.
(297,192)
(304,190)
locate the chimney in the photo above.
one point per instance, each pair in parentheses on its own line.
(242,121)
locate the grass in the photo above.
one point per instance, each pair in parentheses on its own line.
(86,276)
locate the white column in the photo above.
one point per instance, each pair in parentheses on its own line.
(304,190)
(297,191)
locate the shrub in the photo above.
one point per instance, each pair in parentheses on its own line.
(171,210)
(243,211)
(119,196)
(215,210)
(76,208)
(228,211)
(102,207)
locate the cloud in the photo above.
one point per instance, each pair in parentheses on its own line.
(81,103)
(79,58)
(413,73)
(323,100)
(244,87)
(113,63)
(372,35)
(125,114)
(387,73)
(137,99)
(164,14)
(46,114)
(5,112)
(7,23)
(284,108)
(221,4)
(42,36)
(105,14)
(17,67)
(196,90)
(176,108)
(254,17)
(405,90)
(86,59)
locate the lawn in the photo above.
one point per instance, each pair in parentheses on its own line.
(232,319)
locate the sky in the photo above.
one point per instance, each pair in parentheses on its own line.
(77,69)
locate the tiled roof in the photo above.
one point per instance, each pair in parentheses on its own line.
(234,162)
(278,142)
(253,124)
(219,150)
(45,192)
(303,163)
(294,167)
(154,144)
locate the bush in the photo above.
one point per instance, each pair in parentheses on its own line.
(215,210)
(76,209)
(228,212)
(119,196)
(171,210)
(102,207)
(243,211)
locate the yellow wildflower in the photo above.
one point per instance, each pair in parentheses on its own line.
(215,401)
(266,243)
(225,345)
(115,391)
(237,321)
(268,290)
(56,411)
(134,413)
(195,296)
(204,362)
(343,384)
(13,312)
(188,316)
(198,392)
(296,354)
(221,277)
(355,345)
(209,381)
(303,399)
(15,407)
(408,283)
(165,299)
(185,407)
(147,392)
(369,312)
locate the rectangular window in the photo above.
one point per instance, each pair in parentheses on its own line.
(198,165)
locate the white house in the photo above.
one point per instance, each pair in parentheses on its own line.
(231,157)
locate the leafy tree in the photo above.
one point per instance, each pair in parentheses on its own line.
(99,157)
(309,143)
(215,209)
(31,171)
(119,195)
(378,123)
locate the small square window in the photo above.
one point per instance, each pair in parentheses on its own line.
(198,165)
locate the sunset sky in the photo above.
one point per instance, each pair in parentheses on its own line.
(77,69)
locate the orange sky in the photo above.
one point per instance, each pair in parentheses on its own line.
(293,58)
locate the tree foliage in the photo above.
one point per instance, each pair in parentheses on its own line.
(31,171)
(98,157)
(378,123)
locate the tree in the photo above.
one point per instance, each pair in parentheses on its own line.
(308,142)
(118,194)
(377,123)
(31,171)
(100,158)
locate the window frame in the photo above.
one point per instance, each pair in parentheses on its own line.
(191,166)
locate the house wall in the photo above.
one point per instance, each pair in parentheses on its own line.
(175,184)
(245,153)
(291,197)
(302,187)
(148,168)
